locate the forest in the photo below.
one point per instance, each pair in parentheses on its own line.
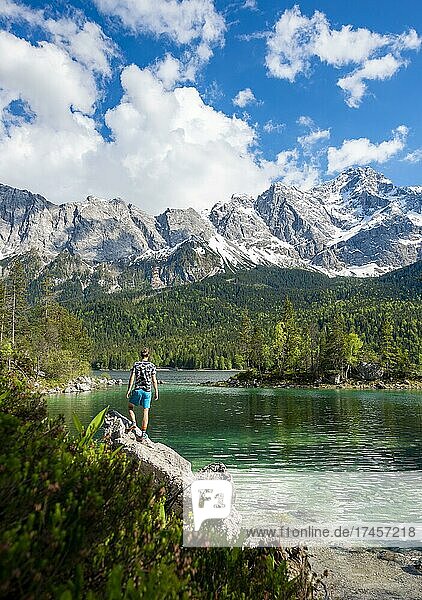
(291,323)
(39,337)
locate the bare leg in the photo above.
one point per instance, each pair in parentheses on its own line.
(145,419)
(132,413)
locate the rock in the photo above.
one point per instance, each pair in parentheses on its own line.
(83,383)
(166,466)
(287,227)
(170,469)
(388,555)
(369,371)
(83,387)
(417,564)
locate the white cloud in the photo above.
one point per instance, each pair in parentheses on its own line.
(376,68)
(270,126)
(183,21)
(169,71)
(415,156)
(192,23)
(306,141)
(166,147)
(47,78)
(256,35)
(244,97)
(48,149)
(83,40)
(306,121)
(315,134)
(250,4)
(362,151)
(213,92)
(288,169)
(14,11)
(297,39)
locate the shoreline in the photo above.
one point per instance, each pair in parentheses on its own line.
(83,383)
(358,385)
(368,573)
(89,383)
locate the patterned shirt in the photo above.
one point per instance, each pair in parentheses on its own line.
(143,370)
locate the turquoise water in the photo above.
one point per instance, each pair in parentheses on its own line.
(291,451)
(273,428)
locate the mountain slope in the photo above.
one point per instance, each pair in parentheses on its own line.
(359,223)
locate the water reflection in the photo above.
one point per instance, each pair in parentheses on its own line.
(281,429)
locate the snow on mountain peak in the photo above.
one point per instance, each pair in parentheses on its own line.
(357,223)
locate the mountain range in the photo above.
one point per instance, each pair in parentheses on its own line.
(358,224)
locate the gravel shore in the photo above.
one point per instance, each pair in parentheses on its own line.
(369,574)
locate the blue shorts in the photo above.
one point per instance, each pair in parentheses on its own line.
(141,398)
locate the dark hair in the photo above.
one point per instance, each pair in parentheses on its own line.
(145,352)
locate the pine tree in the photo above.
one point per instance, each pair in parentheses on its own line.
(389,354)
(333,346)
(17,306)
(3,310)
(246,334)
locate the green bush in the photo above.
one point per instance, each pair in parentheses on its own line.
(80,521)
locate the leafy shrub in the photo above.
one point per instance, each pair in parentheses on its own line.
(80,521)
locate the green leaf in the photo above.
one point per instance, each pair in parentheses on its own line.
(94,426)
(77,423)
(162,515)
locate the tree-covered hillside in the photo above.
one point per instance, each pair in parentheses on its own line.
(289,322)
(230,320)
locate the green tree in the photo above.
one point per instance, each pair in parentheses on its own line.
(387,346)
(59,342)
(351,352)
(333,344)
(288,343)
(16,306)
(246,334)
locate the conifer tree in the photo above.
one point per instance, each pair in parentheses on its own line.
(17,306)
(352,348)
(389,354)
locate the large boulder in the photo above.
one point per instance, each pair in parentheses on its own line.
(163,463)
(171,470)
(83,387)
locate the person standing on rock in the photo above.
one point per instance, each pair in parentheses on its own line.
(143,377)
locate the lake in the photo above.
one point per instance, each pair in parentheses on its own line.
(291,435)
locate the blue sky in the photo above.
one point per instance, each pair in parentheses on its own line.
(184,102)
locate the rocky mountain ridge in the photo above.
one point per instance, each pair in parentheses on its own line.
(359,223)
